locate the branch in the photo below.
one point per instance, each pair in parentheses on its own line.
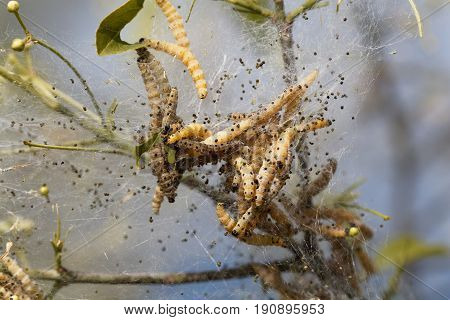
(307,5)
(243,271)
(253,7)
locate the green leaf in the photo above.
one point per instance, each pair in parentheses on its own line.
(108,39)
(171,155)
(406,249)
(144,147)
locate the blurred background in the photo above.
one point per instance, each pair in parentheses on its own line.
(394,133)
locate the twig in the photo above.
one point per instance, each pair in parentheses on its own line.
(253,7)
(75,71)
(242,271)
(72,148)
(307,5)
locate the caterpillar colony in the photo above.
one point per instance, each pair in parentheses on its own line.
(256,151)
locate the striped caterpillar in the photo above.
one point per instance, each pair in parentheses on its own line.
(168,182)
(319,184)
(250,238)
(192,130)
(196,148)
(170,112)
(263,115)
(187,58)
(155,82)
(247,177)
(265,175)
(28,286)
(157,159)
(175,22)
(158,198)
(279,181)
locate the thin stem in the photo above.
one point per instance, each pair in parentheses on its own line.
(243,271)
(69,148)
(254,7)
(75,71)
(307,5)
(286,41)
(103,134)
(372,211)
(190,10)
(24,27)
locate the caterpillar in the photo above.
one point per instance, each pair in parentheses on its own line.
(281,221)
(187,58)
(27,285)
(230,225)
(293,106)
(337,232)
(279,181)
(192,130)
(245,225)
(157,159)
(196,148)
(247,177)
(11,289)
(265,240)
(170,111)
(175,22)
(236,181)
(283,146)
(265,175)
(318,184)
(168,181)
(158,198)
(263,115)
(187,163)
(365,260)
(342,216)
(313,125)
(156,84)
(224,218)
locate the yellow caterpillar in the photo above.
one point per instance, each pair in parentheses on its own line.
(279,181)
(224,217)
(338,232)
(175,22)
(192,130)
(283,146)
(252,239)
(158,198)
(248,177)
(184,55)
(264,115)
(313,125)
(155,82)
(245,225)
(265,175)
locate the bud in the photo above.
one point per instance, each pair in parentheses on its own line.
(13,6)
(353,231)
(43,190)
(18,44)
